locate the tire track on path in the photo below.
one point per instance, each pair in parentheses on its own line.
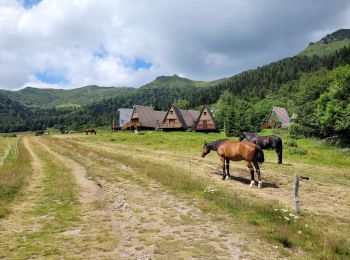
(17,222)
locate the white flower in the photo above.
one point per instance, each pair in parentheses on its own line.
(276,209)
(299,232)
(306,225)
(287,218)
(291,215)
(284,210)
(210,189)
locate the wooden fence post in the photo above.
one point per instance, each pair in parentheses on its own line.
(296,196)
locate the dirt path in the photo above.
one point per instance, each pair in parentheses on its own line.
(151,222)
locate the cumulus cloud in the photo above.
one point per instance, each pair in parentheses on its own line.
(71,43)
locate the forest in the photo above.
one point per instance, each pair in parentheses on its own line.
(316,89)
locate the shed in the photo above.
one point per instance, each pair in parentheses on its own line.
(145,118)
(179,119)
(278,117)
(206,121)
(124,115)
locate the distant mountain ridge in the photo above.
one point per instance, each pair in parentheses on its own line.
(45,98)
(328,44)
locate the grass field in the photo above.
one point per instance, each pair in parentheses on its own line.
(151,195)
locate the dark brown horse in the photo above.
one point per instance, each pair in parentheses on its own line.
(265,142)
(90,130)
(237,151)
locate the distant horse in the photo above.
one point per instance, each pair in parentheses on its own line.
(90,130)
(265,142)
(237,151)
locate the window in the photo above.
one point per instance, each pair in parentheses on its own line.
(205,113)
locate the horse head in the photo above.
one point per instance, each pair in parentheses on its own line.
(206,150)
(241,136)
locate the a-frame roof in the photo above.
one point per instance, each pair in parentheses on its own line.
(187,118)
(210,115)
(282,115)
(149,117)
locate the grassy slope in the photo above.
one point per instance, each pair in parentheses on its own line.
(321,49)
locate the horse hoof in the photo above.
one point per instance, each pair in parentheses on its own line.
(259,184)
(251,184)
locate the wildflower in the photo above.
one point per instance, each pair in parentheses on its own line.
(287,218)
(306,225)
(299,232)
(285,210)
(291,215)
(210,189)
(276,209)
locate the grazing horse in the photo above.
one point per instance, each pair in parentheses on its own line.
(229,150)
(265,142)
(90,130)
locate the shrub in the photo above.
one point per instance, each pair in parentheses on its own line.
(39,132)
(291,143)
(297,131)
(299,151)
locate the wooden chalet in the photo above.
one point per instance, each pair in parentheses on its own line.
(206,121)
(278,117)
(143,117)
(179,119)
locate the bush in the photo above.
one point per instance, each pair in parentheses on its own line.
(299,151)
(291,143)
(10,135)
(39,132)
(298,131)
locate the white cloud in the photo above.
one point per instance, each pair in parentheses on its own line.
(198,39)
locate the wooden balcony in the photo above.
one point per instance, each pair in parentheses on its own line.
(170,125)
(205,127)
(132,125)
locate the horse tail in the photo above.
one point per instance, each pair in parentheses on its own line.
(259,154)
(279,145)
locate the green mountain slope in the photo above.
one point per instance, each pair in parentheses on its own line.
(328,44)
(45,98)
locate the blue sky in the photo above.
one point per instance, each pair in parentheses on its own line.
(29,3)
(50,78)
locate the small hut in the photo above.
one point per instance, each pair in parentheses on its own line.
(143,117)
(124,115)
(206,121)
(179,119)
(278,117)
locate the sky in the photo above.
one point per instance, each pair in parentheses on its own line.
(74,43)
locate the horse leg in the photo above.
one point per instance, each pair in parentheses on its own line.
(223,168)
(279,153)
(251,169)
(228,167)
(256,165)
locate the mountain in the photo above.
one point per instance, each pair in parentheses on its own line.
(45,98)
(328,44)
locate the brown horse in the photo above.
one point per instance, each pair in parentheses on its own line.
(237,151)
(90,130)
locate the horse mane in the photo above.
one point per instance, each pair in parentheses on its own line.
(214,145)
